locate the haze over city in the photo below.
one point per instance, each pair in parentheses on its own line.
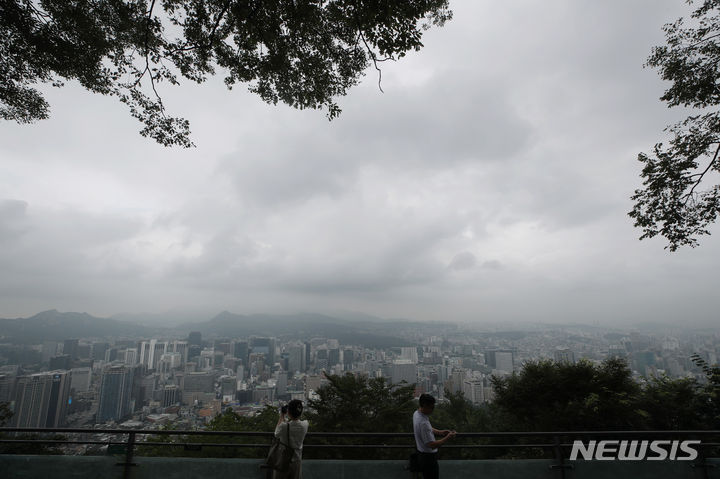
(489,181)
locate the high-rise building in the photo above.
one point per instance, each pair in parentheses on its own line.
(504,361)
(63,361)
(409,353)
(264,346)
(457,379)
(151,351)
(348,359)
(564,356)
(242,351)
(182,348)
(403,370)
(131,356)
(333,357)
(296,358)
(171,395)
(41,399)
(474,391)
(198,386)
(98,350)
(115,393)
(70,347)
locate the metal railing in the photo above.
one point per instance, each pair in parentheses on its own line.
(558,442)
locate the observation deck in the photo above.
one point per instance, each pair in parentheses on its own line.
(133,454)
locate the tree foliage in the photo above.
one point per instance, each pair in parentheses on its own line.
(352,403)
(304,53)
(560,396)
(680,197)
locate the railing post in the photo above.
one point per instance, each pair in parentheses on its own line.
(128,464)
(559,459)
(702,463)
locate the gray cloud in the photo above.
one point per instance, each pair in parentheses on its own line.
(490,180)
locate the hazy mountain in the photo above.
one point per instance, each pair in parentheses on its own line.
(303,325)
(54,325)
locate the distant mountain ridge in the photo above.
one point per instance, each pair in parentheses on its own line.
(53,325)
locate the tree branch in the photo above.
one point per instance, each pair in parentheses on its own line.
(701,175)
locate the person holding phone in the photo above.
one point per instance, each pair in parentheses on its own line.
(425,441)
(289,420)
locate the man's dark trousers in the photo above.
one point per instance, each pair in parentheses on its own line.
(429,465)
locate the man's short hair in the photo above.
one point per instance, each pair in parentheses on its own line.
(426,400)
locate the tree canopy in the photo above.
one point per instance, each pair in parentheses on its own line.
(680,196)
(304,53)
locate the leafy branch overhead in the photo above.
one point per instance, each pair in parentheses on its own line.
(680,197)
(304,53)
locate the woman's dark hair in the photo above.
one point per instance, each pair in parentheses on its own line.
(295,408)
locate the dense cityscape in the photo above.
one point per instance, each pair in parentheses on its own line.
(183,382)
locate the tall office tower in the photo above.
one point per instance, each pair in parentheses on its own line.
(159,349)
(98,350)
(59,396)
(403,370)
(281,384)
(198,387)
(41,399)
(256,364)
(504,361)
(474,391)
(321,359)
(70,347)
(195,338)
(308,354)
(115,390)
(143,389)
(151,351)
(131,356)
(60,362)
(265,346)
(564,356)
(171,395)
(242,351)
(169,361)
(224,345)
(144,350)
(333,357)
(348,359)
(409,353)
(182,348)
(228,387)
(296,358)
(111,354)
(458,379)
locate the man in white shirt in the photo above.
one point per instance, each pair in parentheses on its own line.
(425,437)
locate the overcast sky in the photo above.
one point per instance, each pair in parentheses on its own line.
(489,182)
